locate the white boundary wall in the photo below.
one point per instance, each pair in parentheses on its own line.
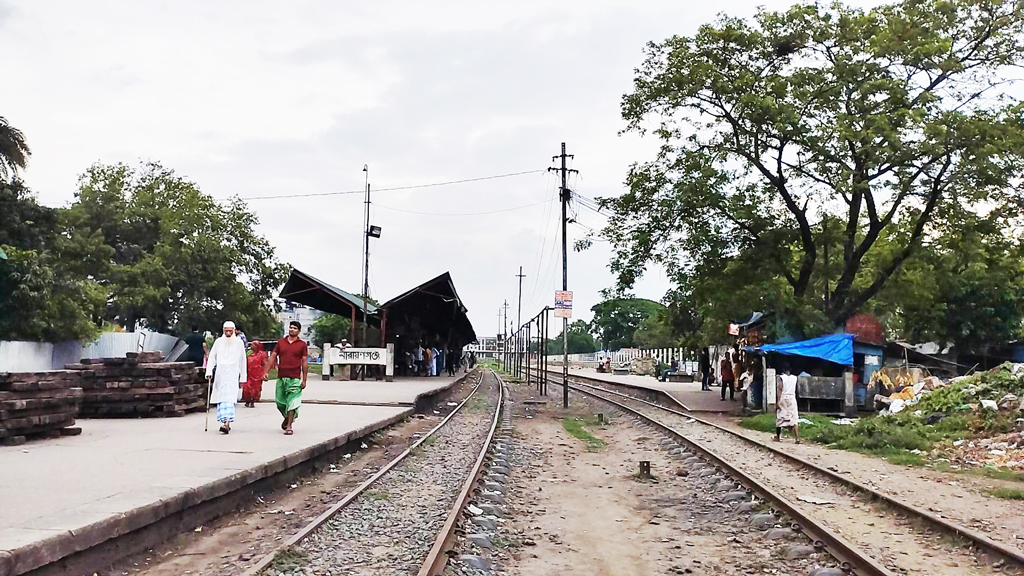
(20,356)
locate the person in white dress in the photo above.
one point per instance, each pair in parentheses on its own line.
(786,414)
(227,368)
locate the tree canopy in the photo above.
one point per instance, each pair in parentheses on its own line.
(806,155)
(616,320)
(580,340)
(178,257)
(138,246)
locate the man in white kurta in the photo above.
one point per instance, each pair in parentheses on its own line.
(226,366)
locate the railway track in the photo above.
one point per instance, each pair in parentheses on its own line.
(866,530)
(404,517)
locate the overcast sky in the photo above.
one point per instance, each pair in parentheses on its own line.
(267,98)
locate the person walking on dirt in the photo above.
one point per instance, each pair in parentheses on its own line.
(226,368)
(786,413)
(291,357)
(728,378)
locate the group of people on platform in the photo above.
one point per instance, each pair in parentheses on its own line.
(432,360)
(236,370)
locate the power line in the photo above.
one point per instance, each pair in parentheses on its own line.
(316,194)
(378,205)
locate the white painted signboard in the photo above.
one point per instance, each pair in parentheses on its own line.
(366,356)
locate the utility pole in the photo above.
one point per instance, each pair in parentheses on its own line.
(366,261)
(519,310)
(564,193)
(504,348)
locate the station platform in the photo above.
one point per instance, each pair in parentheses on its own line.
(687,393)
(401,392)
(68,495)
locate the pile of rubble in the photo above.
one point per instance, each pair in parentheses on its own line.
(38,405)
(139,386)
(1002,451)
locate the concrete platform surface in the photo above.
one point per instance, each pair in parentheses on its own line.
(62,495)
(689,393)
(400,392)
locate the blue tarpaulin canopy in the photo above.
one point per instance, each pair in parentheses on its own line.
(836,348)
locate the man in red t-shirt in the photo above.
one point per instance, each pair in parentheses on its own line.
(290,357)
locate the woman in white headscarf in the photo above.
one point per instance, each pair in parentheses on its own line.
(227,368)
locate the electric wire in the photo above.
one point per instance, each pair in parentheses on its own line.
(362,191)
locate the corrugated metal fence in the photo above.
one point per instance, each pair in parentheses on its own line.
(17,356)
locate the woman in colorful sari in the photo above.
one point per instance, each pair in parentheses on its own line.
(253,388)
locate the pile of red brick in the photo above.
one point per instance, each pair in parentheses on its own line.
(38,405)
(139,386)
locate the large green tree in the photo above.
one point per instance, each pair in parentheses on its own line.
(176,255)
(966,287)
(617,319)
(817,126)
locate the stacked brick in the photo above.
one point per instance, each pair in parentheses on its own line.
(38,405)
(138,386)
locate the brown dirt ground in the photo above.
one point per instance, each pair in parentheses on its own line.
(580,512)
(233,542)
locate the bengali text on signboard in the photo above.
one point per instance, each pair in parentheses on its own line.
(371,356)
(563,304)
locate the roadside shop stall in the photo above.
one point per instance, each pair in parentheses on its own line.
(827,370)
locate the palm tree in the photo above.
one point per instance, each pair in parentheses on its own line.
(14,151)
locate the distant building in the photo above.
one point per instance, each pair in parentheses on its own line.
(301,314)
(485,347)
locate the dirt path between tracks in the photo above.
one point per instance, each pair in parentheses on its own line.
(231,543)
(580,512)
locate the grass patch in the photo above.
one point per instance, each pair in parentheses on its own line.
(477,404)
(576,428)
(894,438)
(998,474)
(289,559)
(1007,493)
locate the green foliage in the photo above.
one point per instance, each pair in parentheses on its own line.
(330,328)
(973,265)
(178,256)
(41,302)
(14,151)
(580,340)
(616,320)
(945,400)
(24,224)
(822,128)
(1007,493)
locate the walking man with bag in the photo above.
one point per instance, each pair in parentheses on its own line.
(291,358)
(226,368)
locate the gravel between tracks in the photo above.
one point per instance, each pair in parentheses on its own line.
(390,528)
(886,535)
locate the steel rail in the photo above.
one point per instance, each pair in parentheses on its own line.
(851,558)
(319,521)
(437,558)
(981,540)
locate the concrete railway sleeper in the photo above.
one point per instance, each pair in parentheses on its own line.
(1000,553)
(392,521)
(871,528)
